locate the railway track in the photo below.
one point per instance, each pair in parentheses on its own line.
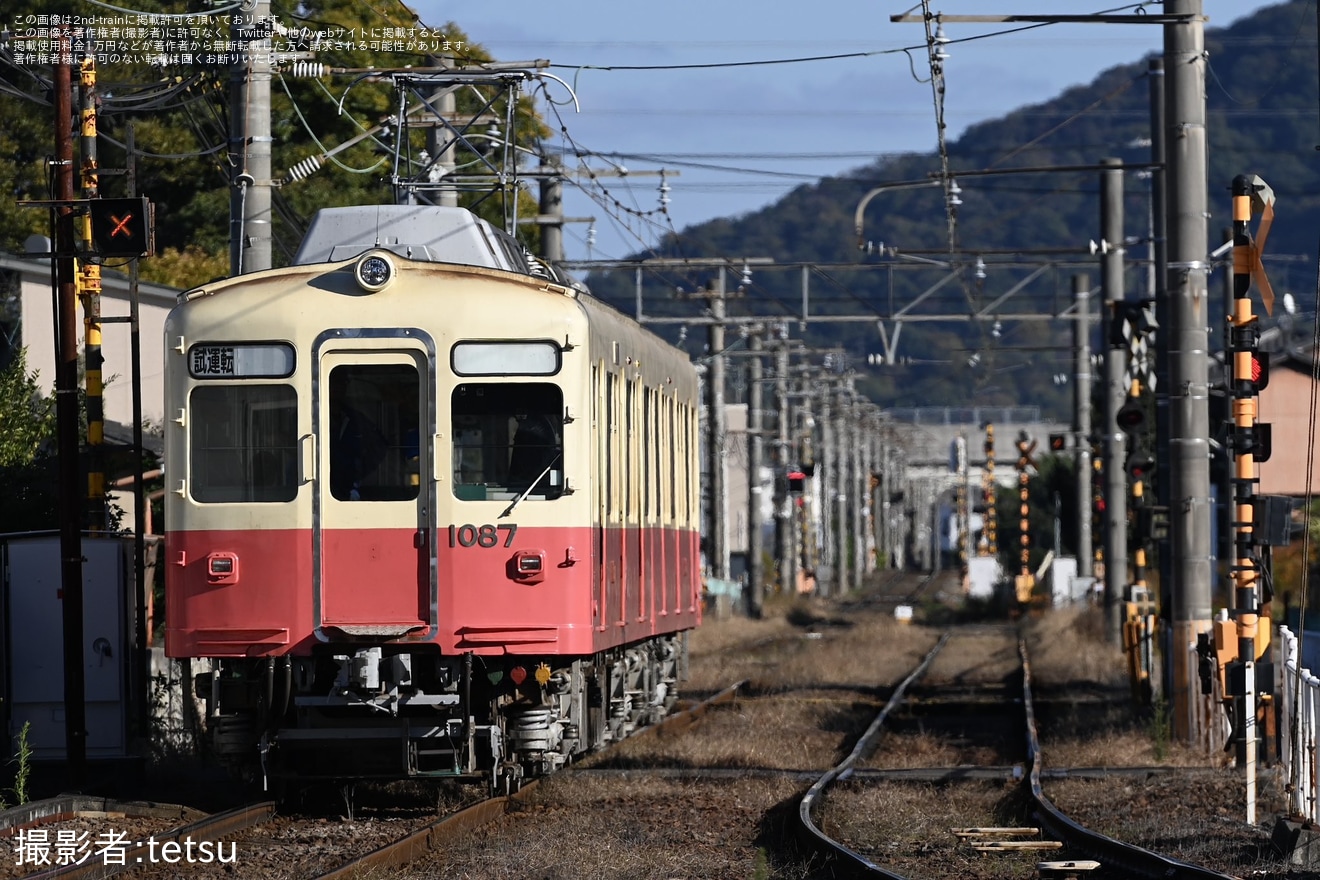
(1071,848)
(724,797)
(168,850)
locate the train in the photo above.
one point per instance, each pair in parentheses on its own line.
(432,510)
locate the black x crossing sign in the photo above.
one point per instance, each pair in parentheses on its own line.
(122,227)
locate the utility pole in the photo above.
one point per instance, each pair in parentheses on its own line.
(717,545)
(1111,282)
(250,142)
(826,468)
(1188,389)
(785,530)
(842,435)
(66,420)
(861,493)
(1160,258)
(1082,424)
(755,595)
(552,210)
(438,144)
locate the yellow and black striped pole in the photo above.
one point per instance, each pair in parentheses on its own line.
(1025,581)
(89,292)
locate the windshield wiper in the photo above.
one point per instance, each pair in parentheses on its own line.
(528,491)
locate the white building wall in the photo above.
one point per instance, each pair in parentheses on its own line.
(38,336)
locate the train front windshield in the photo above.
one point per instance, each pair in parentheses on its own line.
(508,440)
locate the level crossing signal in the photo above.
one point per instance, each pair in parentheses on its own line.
(121,227)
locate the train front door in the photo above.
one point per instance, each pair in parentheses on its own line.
(374,518)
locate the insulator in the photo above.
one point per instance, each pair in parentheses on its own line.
(306,168)
(314,69)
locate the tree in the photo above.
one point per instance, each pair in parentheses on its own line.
(179,114)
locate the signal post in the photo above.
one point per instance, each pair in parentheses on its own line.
(1250,441)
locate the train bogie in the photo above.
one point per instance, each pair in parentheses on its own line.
(425,517)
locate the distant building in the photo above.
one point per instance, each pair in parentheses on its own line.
(28,320)
(1286,403)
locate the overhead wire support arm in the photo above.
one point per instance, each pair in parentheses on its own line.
(909,18)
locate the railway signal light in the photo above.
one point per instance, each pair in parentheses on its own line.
(1260,371)
(1058,442)
(121,227)
(1131,416)
(1140,465)
(796,482)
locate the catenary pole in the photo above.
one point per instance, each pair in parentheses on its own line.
(1189,420)
(1082,424)
(755,595)
(1115,392)
(250,142)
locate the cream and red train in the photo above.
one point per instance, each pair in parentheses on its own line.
(428,511)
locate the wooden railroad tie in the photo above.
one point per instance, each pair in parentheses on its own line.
(1065,870)
(993,839)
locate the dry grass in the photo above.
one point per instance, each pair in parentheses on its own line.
(909,828)
(579,828)
(1067,646)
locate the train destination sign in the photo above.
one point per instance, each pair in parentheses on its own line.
(252,360)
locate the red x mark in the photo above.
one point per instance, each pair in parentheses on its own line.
(121,225)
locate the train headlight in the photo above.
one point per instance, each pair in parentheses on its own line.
(373,272)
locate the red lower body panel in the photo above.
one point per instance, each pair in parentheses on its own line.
(573,600)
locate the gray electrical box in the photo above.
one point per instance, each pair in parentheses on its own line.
(34,643)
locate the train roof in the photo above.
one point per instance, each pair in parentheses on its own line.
(426,233)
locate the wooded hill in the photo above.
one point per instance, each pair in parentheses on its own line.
(1262,119)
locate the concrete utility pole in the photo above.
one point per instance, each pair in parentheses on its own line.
(755,594)
(1111,281)
(1188,390)
(826,469)
(843,416)
(717,543)
(438,142)
(250,142)
(1160,257)
(785,521)
(1082,424)
(552,210)
(860,492)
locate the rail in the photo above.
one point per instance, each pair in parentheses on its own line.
(1112,853)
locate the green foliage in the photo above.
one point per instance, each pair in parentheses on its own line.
(1257,63)
(180,122)
(27,417)
(23,765)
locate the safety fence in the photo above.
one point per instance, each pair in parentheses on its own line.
(1299,728)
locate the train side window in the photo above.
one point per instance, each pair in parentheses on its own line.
(508,439)
(244,443)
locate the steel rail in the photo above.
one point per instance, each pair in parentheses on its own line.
(435,835)
(210,828)
(850,861)
(1111,853)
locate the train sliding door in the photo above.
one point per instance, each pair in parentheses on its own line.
(372,536)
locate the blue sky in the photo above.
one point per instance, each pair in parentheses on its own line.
(799,121)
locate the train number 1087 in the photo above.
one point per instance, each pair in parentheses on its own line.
(486,535)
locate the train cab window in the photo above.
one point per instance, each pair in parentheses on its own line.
(244,441)
(508,440)
(373,432)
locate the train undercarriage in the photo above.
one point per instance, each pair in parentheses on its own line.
(349,713)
